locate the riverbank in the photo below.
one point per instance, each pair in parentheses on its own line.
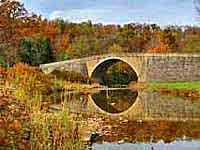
(25,96)
(190,89)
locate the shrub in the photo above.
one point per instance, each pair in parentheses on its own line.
(35,51)
(29,79)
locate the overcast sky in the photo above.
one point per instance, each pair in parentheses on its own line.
(162,12)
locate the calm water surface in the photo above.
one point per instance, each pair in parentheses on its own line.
(127,119)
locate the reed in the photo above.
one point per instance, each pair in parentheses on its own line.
(25,119)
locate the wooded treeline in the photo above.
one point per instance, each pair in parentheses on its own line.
(26,37)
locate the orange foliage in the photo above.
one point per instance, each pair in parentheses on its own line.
(61,43)
(2,72)
(15,126)
(29,78)
(160,49)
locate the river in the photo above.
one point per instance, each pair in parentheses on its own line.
(129,119)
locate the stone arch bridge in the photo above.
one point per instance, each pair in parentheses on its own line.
(147,67)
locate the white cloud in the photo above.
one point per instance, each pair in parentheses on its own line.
(80,15)
(17,0)
(179,14)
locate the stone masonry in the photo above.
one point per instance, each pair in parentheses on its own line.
(148,67)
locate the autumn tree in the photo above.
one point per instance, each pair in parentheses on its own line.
(192,44)
(167,42)
(12,9)
(73,40)
(115,48)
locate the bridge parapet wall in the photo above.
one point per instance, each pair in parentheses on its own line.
(173,68)
(149,67)
(71,66)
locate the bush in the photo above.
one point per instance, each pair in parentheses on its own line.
(29,79)
(35,51)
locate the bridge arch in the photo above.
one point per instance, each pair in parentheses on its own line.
(102,65)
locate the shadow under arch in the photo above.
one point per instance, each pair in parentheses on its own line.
(100,104)
(98,72)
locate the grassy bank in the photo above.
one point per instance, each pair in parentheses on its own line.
(190,89)
(191,85)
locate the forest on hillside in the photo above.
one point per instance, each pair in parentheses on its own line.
(29,38)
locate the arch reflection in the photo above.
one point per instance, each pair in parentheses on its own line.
(115,101)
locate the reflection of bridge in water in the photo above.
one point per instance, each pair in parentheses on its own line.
(147,106)
(115,101)
(151,117)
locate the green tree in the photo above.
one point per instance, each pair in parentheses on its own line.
(62,56)
(61,24)
(35,51)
